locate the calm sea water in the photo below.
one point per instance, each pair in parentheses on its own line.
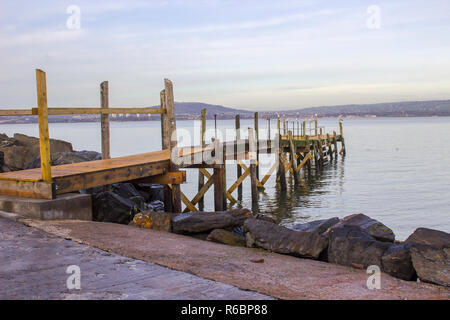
(397,170)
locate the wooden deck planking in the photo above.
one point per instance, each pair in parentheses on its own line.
(73,169)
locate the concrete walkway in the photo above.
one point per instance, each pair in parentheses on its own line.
(33,265)
(279,276)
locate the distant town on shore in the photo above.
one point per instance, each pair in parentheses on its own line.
(191,111)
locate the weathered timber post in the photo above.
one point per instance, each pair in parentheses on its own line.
(341,132)
(104,102)
(281,168)
(44,140)
(215,126)
(268,127)
(201,177)
(170,139)
(257,144)
(238,138)
(330,146)
(315,125)
(220,183)
(104,120)
(304,128)
(335,144)
(252,156)
(293,159)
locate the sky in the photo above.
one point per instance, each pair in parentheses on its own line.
(255,55)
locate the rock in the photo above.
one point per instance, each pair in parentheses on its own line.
(153,192)
(430,255)
(226,237)
(156,205)
(153,220)
(198,222)
(349,244)
(16,157)
(396,261)
(126,190)
(110,207)
(260,216)
(280,239)
(375,228)
(140,203)
(59,158)
(319,226)
(32,143)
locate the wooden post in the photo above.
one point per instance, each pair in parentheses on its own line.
(220,189)
(239,169)
(293,159)
(201,177)
(104,102)
(44,139)
(215,126)
(268,127)
(341,132)
(304,128)
(252,156)
(257,144)
(335,144)
(281,173)
(170,130)
(315,125)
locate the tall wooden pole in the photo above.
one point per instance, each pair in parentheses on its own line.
(252,156)
(239,169)
(104,102)
(201,177)
(281,167)
(44,139)
(171,135)
(257,144)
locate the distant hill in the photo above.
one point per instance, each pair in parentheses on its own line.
(191,111)
(390,109)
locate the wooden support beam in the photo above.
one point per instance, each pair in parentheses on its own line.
(269,173)
(239,169)
(171,134)
(201,177)
(258,183)
(166,178)
(28,189)
(201,192)
(44,140)
(281,173)
(257,142)
(304,161)
(253,178)
(21,112)
(220,198)
(67,111)
(293,159)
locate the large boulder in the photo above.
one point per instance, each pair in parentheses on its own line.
(319,226)
(351,245)
(226,237)
(396,261)
(279,239)
(200,222)
(110,207)
(153,220)
(430,255)
(374,227)
(22,149)
(32,143)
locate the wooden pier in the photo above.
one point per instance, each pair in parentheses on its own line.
(294,148)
